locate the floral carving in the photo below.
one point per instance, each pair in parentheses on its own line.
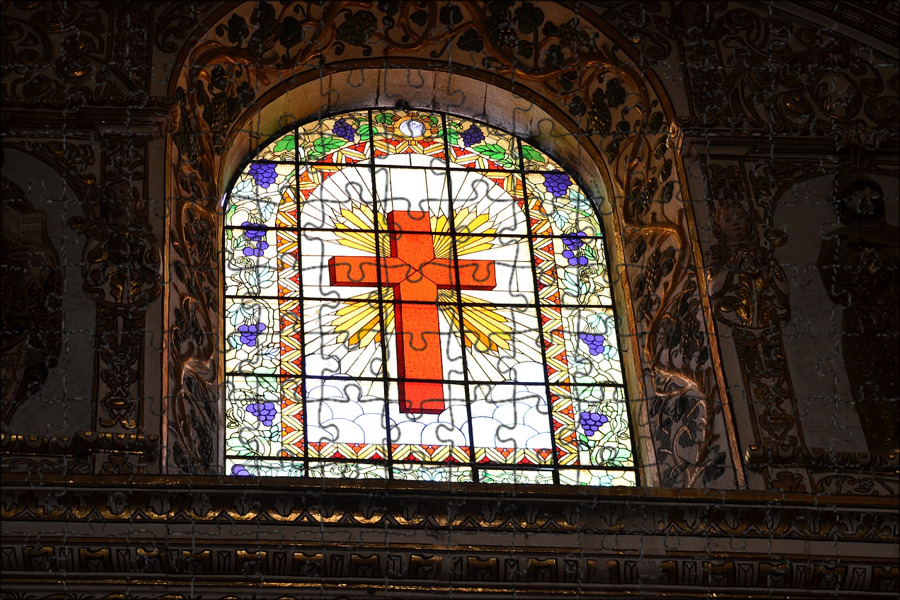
(356,30)
(192,418)
(785,78)
(74,54)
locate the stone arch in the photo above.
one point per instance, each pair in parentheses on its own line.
(602,117)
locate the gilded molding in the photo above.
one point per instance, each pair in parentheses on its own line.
(472,507)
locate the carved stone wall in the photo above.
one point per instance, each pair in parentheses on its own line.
(709,124)
(555,59)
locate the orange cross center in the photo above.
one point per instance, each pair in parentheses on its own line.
(416,275)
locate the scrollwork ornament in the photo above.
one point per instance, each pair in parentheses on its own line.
(75,54)
(122,274)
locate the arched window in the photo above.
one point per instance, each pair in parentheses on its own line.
(421,296)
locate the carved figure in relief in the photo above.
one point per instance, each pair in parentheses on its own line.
(860,267)
(749,292)
(747,287)
(122,254)
(32,301)
(121,272)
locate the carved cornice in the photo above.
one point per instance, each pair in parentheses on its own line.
(146,118)
(878,18)
(759,456)
(83,452)
(266,535)
(263,570)
(297,502)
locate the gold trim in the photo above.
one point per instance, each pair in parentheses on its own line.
(576,589)
(81,443)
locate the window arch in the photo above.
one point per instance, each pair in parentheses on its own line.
(418,295)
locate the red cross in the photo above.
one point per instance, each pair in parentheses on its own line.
(416,276)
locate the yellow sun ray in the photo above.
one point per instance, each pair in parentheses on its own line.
(467,222)
(442,243)
(360,320)
(470,245)
(359,216)
(484,328)
(440,224)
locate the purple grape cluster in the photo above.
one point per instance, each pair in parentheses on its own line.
(472,136)
(239,471)
(256,250)
(342,129)
(249,333)
(591,422)
(263,173)
(594,342)
(254,231)
(263,411)
(573,244)
(574,260)
(573,240)
(557,183)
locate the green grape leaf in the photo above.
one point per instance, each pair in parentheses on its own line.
(531,154)
(492,151)
(288,142)
(326,144)
(583,442)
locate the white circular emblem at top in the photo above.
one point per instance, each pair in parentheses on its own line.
(412,128)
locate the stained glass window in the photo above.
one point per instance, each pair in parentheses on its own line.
(419,296)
